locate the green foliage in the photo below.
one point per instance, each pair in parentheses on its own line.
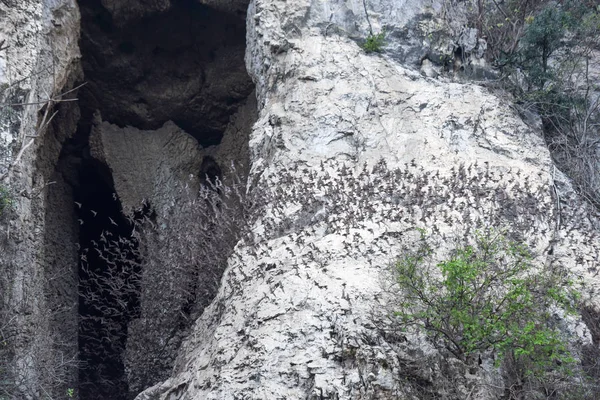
(542,38)
(374,43)
(549,71)
(5,199)
(486,298)
(562,33)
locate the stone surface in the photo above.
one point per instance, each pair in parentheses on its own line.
(143,162)
(301,306)
(180,272)
(123,12)
(39,61)
(39,237)
(39,48)
(350,153)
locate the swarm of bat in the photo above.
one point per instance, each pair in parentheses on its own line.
(157,280)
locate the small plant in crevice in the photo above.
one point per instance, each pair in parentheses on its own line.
(374,43)
(487,300)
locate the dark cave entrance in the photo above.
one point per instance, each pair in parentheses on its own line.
(109,268)
(143,65)
(109,283)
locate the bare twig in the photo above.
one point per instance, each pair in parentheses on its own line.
(46,119)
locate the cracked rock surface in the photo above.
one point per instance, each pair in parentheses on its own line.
(351,152)
(165,66)
(39,61)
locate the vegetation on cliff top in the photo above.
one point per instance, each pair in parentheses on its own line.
(548,55)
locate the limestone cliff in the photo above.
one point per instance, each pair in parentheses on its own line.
(357,150)
(279,290)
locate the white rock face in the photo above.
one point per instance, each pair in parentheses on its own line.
(39,58)
(300,310)
(351,152)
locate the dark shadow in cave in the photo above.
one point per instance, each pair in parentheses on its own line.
(109,280)
(185,65)
(210,171)
(109,271)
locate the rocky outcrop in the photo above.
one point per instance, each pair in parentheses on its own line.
(165,170)
(351,152)
(45,157)
(279,290)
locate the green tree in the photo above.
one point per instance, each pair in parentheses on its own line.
(486,298)
(552,72)
(542,38)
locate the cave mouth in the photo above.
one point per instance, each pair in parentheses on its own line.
(183,63)
(109,270)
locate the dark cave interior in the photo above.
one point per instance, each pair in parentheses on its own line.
(109,271)
(184,64)
(109,283)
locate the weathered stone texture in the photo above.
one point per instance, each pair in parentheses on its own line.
(185,64)
(181,250)
(349,154)
(299,311)
(38,255)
